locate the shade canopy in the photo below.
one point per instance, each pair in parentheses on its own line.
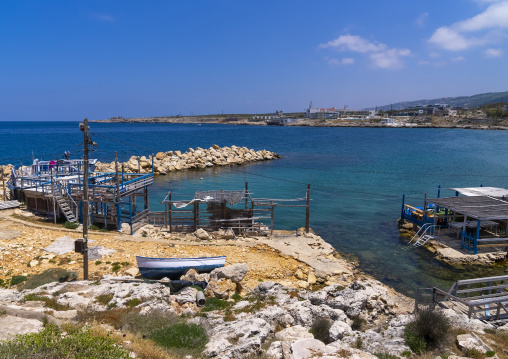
(478,207)
(482,191)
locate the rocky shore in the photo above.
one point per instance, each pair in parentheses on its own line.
(449,250)
(199,158)
(273,293)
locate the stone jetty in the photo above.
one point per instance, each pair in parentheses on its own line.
(198,158)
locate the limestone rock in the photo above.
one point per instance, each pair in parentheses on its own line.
(10,326)
(339,329)
(186,295)
(235,272)
(293,333)
(132,271)
(192,276)
(202,234)
(471,341)
(311,278)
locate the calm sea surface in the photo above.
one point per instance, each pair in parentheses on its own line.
(357,176)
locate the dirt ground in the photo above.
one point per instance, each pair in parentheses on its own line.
(21,243)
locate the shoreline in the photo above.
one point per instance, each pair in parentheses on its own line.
(466,125)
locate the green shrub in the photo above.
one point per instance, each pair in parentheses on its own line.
(387,356)
(97,263)
(406,353)
(473,353)
(236,297)
(181,335)
(104,299)
(429,330)
(93,227)
(116,267)
(18,279)
(133,302)
(51,343)
(321,329)
(358,323)
(49,276)
(413,340)
(48,302)
(490,353)
(215,304)
(71,225)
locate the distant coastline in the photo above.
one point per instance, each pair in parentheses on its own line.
(418,122)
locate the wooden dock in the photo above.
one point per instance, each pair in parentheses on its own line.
(485,298)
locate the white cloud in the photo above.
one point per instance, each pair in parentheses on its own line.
(489,23)
(422,19)
(493,53)
(434,55)
(353,43)
(457,59)
(380,55)
(335,62)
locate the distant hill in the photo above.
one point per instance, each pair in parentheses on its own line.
(461,101)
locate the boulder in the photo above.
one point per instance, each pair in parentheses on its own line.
(339,329)
(202,234)
(132,271)
(235,272)
(192,276)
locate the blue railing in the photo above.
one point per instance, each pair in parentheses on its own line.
(469,242)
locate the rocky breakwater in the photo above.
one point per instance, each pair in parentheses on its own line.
(198,158)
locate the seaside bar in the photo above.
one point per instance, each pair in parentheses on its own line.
(55,188)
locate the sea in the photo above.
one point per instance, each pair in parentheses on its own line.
(357,176)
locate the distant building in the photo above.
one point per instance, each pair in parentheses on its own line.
(333,113)
(432,110)
(268,117)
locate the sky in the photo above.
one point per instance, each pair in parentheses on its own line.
(69,59)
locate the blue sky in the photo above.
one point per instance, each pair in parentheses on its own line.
(65,60)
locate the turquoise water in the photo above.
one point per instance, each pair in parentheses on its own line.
(357,176)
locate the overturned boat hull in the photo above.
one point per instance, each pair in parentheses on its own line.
(171,267)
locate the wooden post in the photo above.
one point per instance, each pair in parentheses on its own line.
(402,210)
(53,191)
(170,215)
(224,209)
(424,212)
(307,211)
(246,193)
(117,199)
(85,199)
(195,216)
(271,229)
(3,185)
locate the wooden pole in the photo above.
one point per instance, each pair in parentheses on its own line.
(195,216)
(53,191)
(170,215)
(307,211)
(117,199)
(246,193)
(85,200)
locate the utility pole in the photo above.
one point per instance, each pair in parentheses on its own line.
(85,199)
(307,210)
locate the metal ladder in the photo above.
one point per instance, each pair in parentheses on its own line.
(425,233)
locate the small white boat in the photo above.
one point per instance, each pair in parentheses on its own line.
(170,267)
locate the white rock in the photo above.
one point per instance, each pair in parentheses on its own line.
(235,272)
(339,329)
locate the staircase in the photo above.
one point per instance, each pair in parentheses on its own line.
(64,202)
(426,232)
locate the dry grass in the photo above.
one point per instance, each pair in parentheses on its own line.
(144,348)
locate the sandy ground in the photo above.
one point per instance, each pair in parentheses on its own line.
(21,243)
